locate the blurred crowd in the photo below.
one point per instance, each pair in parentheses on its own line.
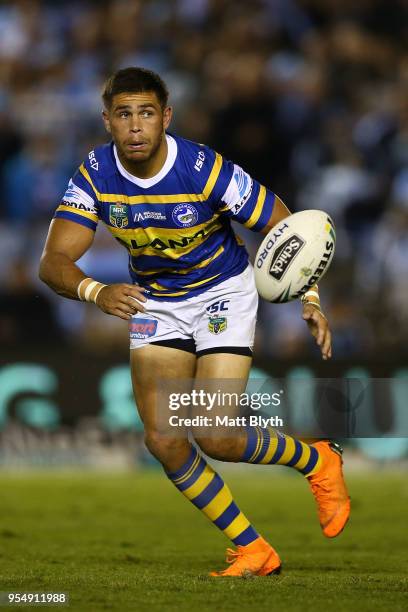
(309,96)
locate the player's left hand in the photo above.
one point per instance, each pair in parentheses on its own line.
(319,328)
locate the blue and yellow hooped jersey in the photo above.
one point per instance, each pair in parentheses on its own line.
(176,225)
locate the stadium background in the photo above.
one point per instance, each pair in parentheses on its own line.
(309,96)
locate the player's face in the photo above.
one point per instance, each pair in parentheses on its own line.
(137,122)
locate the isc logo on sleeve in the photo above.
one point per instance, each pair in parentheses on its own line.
(92,159)
(199,161)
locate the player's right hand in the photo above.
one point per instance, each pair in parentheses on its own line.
(121,300)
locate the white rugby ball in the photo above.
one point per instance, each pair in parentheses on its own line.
(294,255)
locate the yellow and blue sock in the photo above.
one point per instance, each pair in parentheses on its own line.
(208,492)
(267,446)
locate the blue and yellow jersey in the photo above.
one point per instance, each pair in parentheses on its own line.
(176,225)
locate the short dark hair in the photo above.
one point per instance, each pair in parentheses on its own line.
(135,80)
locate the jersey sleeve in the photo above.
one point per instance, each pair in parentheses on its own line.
(79,203)
(237,195)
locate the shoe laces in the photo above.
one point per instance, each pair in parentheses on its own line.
(234,555)
(323,493)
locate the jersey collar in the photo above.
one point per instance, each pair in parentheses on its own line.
(167,166)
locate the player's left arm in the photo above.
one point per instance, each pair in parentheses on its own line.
(312,312)
(235,194)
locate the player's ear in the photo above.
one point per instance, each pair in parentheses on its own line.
(106,121)
(167,115)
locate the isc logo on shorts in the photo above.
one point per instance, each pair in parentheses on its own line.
(142,328)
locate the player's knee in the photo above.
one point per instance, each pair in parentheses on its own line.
(162,446)
(222,449)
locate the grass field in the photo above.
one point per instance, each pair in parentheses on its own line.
(132,542)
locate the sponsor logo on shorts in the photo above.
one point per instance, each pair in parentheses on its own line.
(185,215)
(284,255)
(216,325)
(142,328)
(118,216)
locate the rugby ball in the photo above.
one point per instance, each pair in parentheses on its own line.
(294,255)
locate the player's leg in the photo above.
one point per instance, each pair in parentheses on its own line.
(148,364)
(249,444)
(254,554)
(224,338)
(182,462)
(320,462)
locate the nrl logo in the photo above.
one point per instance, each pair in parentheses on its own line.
(216,325)
(118,215)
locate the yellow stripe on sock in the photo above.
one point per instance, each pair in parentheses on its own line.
(288,452)
(189,473)
(200,484)
(218,504)
(317,467)
(238,525)
(304,458)
(258,446)
(271,450)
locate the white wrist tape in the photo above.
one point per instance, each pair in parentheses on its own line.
(79,287)
(312,294)
(91,291)
(98,292)
(315,305)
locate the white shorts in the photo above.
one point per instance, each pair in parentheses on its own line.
(222,317)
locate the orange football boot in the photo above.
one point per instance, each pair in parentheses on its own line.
(257,559)
(329,489)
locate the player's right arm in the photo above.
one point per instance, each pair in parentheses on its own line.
(71,234)
(67,241)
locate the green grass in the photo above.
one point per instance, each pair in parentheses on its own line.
(132,542)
